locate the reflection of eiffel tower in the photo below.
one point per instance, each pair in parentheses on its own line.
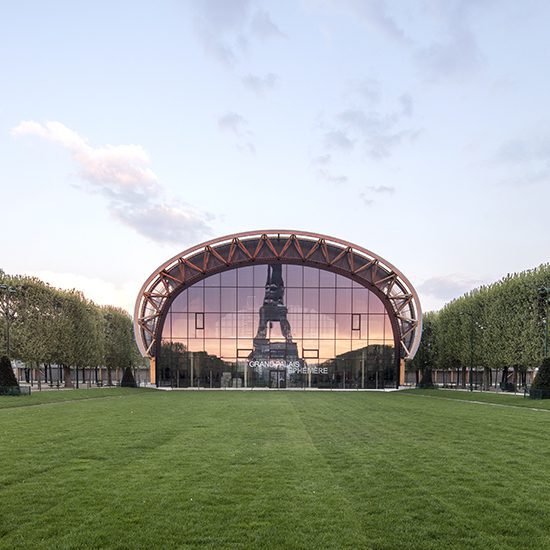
(273,310)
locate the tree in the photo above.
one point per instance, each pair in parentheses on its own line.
(540,388)
(425,359)
(128,380)
(7,376)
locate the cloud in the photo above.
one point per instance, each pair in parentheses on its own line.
(338,139)
(225,28)
(164,223)
(122,174)
(379,133)
(381,189)
(259,84)
(238,125)
(263,26)
(366,200)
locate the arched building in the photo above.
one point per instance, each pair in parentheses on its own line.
(277,309)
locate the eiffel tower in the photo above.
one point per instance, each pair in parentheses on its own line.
(272,311)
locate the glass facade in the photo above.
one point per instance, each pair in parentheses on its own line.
(279,326)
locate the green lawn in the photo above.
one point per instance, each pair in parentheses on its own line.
(146,469)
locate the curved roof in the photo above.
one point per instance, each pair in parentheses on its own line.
(261,247)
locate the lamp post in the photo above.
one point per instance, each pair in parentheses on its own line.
(544,294)
(7,291)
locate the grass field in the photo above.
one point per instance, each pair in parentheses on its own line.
(146,469)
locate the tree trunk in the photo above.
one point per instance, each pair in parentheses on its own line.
(109,377)
(463,381)
(67,377)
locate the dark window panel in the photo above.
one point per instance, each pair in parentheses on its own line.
(356,322)
(199,321)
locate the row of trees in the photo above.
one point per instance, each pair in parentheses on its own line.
(49,326)
(500,327)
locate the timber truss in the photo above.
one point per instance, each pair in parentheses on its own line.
(289,247)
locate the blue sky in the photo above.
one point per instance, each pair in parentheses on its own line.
(419,130)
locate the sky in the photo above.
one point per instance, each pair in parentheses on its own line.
(130,131)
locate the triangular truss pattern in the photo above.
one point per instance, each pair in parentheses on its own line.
(319,251)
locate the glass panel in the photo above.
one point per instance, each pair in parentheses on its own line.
(245,299)
(343,326)
(260,275)
(179,325)
(326,348)
(211,299)
(327,300)
(311,326)
(196,344)
(327,324)
(294,276)
(229,278)
(245,325)
(259,294)
(212,325)
(388,330)
(180,303)
(311,277)
(213,280)
(342,346)
(327,279)
(245,276)
(167,328)
(311,300)
(343,300)
(360,300)
(376,327)
(228,347)
(229,300)
(294,299)
(295,321)
(343,282)
(375,304)
(195,299)
(228,325)
(212,346)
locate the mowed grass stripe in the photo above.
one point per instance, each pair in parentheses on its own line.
(229,470)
